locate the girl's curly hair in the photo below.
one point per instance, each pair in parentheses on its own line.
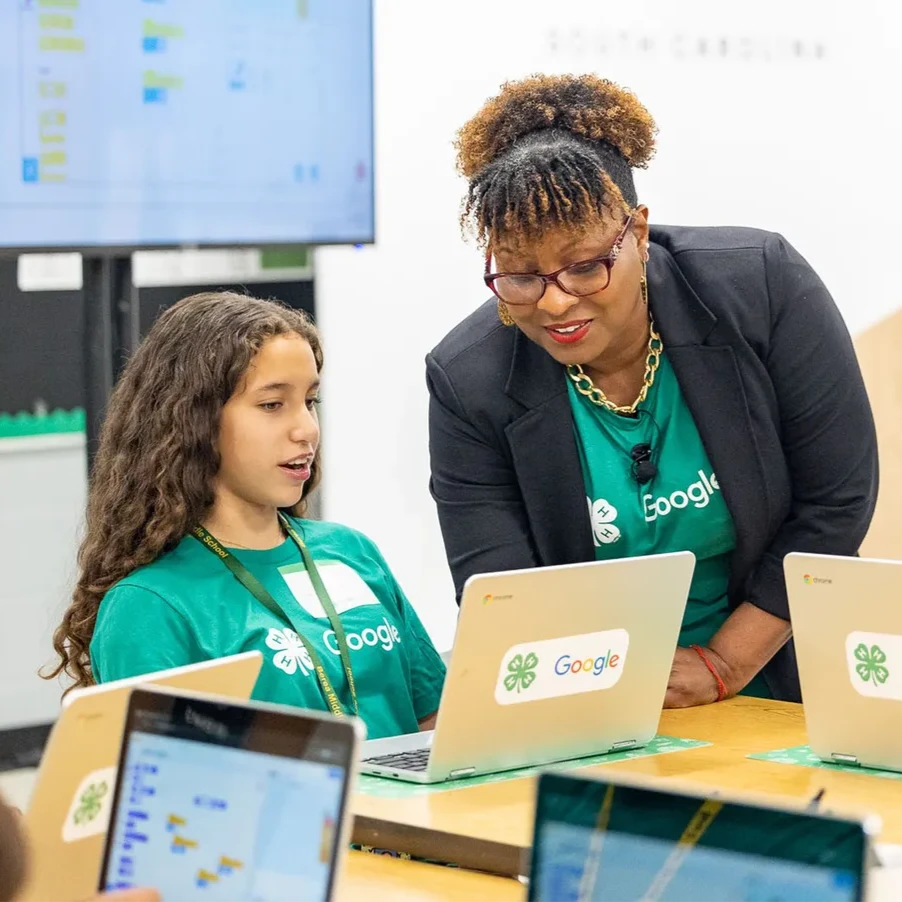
(153,474)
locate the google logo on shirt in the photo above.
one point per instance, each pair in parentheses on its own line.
(565,665)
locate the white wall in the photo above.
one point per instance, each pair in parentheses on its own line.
(805,145)
(43,488)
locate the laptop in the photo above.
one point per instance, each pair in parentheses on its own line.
(549,664)
(847,625)
(628,839)
(70,803)
(216,799)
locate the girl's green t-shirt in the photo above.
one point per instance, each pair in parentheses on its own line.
(187,607)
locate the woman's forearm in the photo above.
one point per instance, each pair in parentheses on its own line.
(745,643)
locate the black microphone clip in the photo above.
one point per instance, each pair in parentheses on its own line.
(643,467)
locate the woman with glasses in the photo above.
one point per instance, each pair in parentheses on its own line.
(635,389)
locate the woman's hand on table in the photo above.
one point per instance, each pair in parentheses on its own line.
(691,683)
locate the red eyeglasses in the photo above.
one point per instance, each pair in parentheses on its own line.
(578,279)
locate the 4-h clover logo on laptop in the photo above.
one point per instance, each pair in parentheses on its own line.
(871,660)
(522,672)
(90,803)
(870,663)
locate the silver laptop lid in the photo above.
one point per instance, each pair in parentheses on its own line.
(847,625)
(79,763)
(560,662)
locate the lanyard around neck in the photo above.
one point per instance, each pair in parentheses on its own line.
(256,588)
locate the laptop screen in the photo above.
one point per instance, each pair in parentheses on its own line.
(602,841)
(204,812)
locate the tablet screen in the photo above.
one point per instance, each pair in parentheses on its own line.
(203,812)
(601,841)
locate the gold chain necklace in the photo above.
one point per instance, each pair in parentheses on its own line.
(585,385)
(228,544)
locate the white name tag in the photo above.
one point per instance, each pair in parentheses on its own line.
(344,585)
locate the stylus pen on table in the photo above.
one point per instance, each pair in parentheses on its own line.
(812,805)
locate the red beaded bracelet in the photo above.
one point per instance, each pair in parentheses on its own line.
(721,685)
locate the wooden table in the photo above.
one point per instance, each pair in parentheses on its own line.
(503,811)
(375,878)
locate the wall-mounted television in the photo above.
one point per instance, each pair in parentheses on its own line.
(130,124)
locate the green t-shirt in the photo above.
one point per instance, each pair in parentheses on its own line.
(681,509)
(187,607)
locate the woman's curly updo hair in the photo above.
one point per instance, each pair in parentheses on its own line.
(552,151)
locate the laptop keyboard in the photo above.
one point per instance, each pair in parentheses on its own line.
(415,760)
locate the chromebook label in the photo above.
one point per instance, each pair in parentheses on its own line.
(549,668)
(875,664)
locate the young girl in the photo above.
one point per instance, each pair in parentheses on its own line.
(195,546)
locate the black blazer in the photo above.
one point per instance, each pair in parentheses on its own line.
(767,368)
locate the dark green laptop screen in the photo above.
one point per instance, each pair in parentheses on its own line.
(599,841)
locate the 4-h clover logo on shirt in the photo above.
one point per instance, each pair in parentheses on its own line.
(603,516)
(522,672)
(290,652)
(871,661)
(89,804)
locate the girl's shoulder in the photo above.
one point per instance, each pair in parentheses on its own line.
(324,535)
(169,575)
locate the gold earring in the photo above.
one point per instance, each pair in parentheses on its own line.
(504,314)
(643,285)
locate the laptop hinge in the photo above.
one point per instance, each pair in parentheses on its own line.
(461,772)
(845,759)
(625,744)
